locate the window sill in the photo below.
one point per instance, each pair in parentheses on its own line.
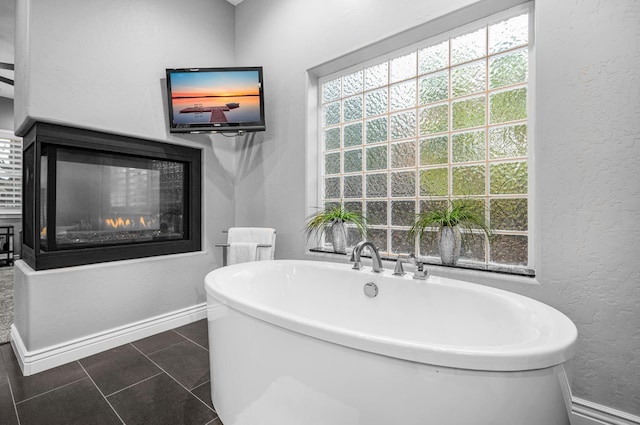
(462,266)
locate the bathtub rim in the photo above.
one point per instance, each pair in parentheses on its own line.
(547,350)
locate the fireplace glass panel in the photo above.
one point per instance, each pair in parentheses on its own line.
(110,199)
(44,160)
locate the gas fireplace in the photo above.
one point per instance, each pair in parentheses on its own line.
(92,197)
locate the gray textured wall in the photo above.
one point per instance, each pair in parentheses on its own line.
(588,187)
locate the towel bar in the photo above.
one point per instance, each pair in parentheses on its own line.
(224,247)
(226,231)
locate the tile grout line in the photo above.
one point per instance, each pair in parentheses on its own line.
(170,376)
(165,348)
(133,385)
(205,383)
(49,391)
(189,339)
(13,399)
(101,393)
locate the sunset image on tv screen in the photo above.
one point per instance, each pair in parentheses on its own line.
(215,97)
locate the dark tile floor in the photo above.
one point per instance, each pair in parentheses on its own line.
(160,380)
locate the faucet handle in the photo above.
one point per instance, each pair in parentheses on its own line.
(398,269)
(420,273)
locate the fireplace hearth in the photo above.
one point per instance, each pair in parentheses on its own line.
(92,197)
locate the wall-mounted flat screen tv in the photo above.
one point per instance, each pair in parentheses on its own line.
(215,100)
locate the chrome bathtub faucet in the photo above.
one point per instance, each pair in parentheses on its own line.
(419,272)
(375,256)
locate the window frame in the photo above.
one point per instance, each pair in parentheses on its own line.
(15,210)
(362,59)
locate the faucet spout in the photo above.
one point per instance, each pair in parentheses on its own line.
(375,256)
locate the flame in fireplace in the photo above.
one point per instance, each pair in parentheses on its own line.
(127,223)
(118,222)
(43,232)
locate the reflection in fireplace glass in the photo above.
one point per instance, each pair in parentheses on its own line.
(103,198)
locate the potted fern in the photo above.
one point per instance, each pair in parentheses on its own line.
(449,220)
(334,218)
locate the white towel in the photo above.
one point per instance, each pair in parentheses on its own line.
(242,252)
(258,235)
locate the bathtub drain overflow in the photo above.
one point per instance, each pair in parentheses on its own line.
(370,289)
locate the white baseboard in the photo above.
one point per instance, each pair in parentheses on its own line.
(49,357)
(585,412)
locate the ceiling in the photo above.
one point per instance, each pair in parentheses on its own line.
(7,54)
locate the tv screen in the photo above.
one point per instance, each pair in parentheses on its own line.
(215,99)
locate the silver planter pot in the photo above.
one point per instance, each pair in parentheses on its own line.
(449,242)
(339,237)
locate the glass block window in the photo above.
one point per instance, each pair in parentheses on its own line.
(10,174)
(444,120)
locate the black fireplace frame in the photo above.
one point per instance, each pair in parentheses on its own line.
(42,136)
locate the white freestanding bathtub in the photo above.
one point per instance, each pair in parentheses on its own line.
(299,343)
